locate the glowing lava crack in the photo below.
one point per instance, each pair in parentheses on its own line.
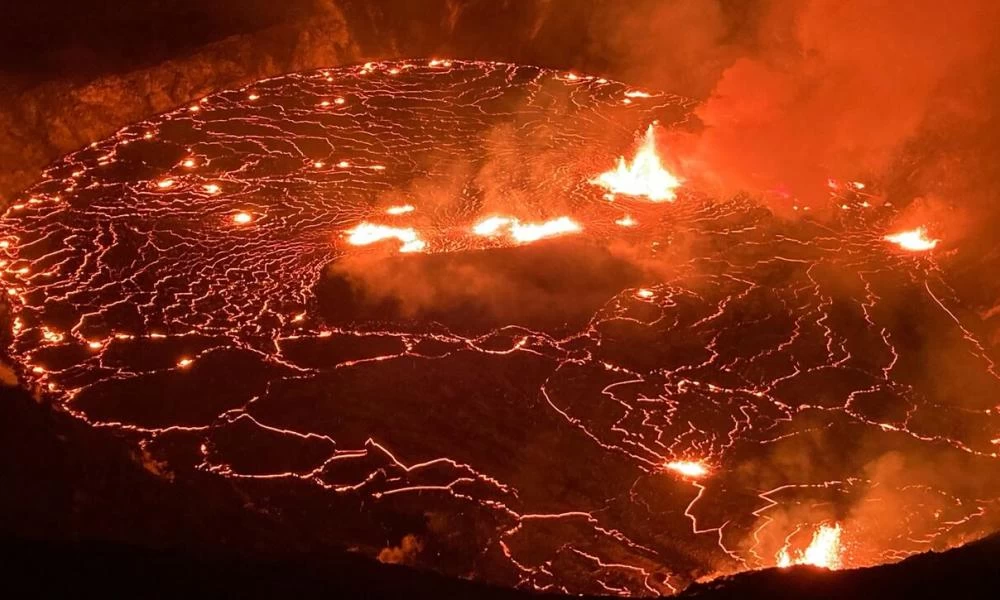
(710,388)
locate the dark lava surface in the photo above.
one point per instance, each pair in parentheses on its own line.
(554,286)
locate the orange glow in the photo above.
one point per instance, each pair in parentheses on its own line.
(399,210)
(646,176)
(184,362)
(914,240)
(242,218)
(188,163)
(644,293)
(211,188)
(824,550)
(368,233)
(687,468)
(252,97)
(165,183)
(626,221)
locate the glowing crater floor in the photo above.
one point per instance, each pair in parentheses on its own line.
(623,409)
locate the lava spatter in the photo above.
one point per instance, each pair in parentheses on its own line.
(192,284)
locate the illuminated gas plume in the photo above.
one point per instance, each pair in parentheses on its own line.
(914,240)
(824,550)
(645,177)
(368,233)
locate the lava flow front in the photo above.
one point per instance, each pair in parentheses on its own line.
(392,302)
(525,232)
(364,234)
(688,468)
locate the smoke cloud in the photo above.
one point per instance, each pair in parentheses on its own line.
(834,89)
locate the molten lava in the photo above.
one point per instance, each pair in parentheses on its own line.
(490,226)
(646,176)
(524,233)
(914,240)
(824,550)
(530,232)
(368,233)
(688,468)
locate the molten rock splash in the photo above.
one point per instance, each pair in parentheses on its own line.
(644,177)
(823,551)
(914,240)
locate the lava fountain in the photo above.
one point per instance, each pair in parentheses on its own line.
(914,240)
(823,551)
(688,468)
(644,177)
